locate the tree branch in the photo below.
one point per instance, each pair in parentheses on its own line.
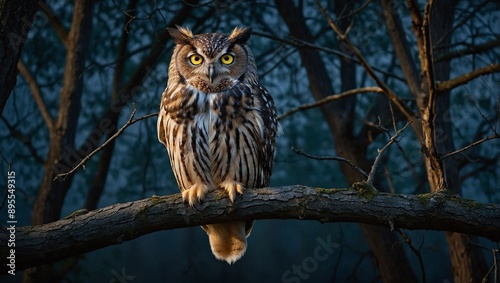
(144,68)
(37,95)
(453,83)
(371,176)
(474,49)
(402,47)
(410,115)
(296,42)
(130,121)
(80,233)
(490,137)
(341,159)
(331,98)
(26,141)
(61,31)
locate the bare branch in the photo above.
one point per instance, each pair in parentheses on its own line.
(301,43)
(426,60)
(490,137)
(84,232)
(415,251)
(37,95)
(371,176)
(330,98)
(390,94)
(402,48)
(492,127)
(474,49)
(453,83)
(464,20)
(27,142)
(144,68)
(130,121)
(416,20)
(61,31)
(353,166)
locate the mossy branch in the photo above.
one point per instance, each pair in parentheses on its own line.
(87,231)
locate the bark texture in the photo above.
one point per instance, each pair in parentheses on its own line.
(16,21)
(84,231)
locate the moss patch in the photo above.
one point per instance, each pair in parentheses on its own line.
(365,190)
(155,199)
(328,191)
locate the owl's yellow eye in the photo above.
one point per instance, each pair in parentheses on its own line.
(195,59)
(227,59)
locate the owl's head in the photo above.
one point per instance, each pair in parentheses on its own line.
(212,62)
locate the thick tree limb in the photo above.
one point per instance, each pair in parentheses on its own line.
(81,233)
(453,83)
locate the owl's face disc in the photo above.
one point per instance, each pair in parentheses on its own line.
(211,62)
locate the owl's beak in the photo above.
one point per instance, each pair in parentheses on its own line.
(211,73)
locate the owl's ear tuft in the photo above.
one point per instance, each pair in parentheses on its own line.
(240,35)
(180,35)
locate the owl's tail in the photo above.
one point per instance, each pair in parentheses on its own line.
(228,240)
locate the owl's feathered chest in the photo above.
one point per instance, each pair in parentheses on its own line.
(211,135)
(219,136)
(220,109)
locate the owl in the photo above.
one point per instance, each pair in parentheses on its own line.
(219,126)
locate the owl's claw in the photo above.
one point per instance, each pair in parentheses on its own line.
(232,188)
(196,193)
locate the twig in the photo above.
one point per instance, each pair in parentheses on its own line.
(130,121)
(371,176)
(331,98)
(27,142)
(493,128)
(494,136)
(415,251)
(353,166)
(463,21)
(410,115)
(301,43)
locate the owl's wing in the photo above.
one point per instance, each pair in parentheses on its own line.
(270,128)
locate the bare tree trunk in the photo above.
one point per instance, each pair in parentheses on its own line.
(467,259)
(391,260)
(51,193)
(16,19)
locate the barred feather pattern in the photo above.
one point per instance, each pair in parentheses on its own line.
(223,141)
(218,137)
(219,126)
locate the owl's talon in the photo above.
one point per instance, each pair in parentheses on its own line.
(232,188)
(196,193)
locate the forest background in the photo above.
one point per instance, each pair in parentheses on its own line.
(419,80)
